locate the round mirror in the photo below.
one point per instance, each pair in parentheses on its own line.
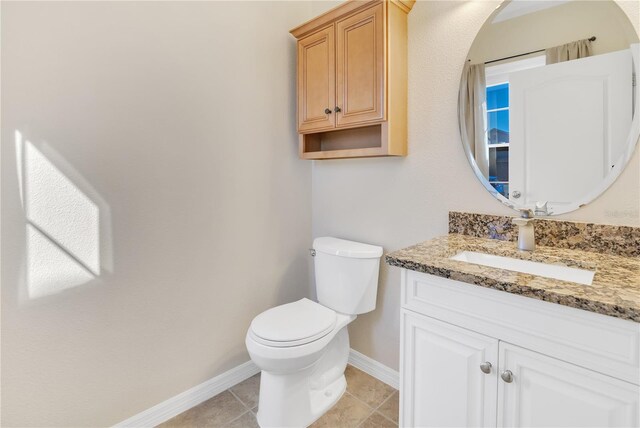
(548,102)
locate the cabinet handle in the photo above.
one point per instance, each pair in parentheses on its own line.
(485,367)
(327,111)
(338,109)
(507,376)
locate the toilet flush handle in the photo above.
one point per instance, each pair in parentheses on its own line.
(312,252)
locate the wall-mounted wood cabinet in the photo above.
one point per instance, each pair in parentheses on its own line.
(352,81)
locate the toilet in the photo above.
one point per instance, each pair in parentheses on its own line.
(302,347)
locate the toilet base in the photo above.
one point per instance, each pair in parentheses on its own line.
(321,401)
(298,399)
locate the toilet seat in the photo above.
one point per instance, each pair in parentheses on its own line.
(293,324)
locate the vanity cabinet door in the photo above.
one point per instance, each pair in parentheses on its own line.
(442,381)
(546,392)
(316,81)
(360,67)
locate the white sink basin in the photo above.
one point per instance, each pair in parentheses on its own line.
(564,273)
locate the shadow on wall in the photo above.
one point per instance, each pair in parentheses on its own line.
(63,224)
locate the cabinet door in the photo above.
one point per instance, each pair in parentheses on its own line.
(360,67)
(316,81)
(442,383)
(547,392)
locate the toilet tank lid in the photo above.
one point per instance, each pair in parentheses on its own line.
(344,248)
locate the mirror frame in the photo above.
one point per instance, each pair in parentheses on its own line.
(616,171)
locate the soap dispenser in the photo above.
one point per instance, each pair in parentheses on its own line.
(526,234)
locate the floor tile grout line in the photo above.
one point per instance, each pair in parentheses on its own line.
(358,399)
(232,419)
(238,417)
(241,402)
(368,375)
(238,398)
(383,416)
(373,413)
(376,409)
(373,409)
(384,401)
(379,413)
(366,418)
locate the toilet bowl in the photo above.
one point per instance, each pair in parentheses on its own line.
(302,347)
(300,381)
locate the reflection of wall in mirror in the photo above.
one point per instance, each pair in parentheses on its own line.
(556,26)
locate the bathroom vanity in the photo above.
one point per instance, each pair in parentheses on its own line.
(486,346)
(494,336)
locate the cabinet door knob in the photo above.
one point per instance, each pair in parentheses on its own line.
(507,376)
(338,109)
(485,367)
(327,111)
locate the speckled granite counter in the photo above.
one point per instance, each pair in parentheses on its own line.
(601,238)
(615,290)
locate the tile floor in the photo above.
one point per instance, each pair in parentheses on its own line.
(368,403)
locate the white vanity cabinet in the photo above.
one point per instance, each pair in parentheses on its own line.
(473,356)
(549,392)
(443,384)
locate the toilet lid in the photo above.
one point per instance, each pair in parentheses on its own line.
(293,324)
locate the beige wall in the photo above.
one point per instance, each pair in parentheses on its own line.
(167,130)
(203,219)
(397,202)
(553,27)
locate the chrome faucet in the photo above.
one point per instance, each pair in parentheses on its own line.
(526,235)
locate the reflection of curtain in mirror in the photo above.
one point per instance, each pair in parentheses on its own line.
(573,50)
(472,105)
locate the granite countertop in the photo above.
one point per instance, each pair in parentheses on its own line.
(615,290)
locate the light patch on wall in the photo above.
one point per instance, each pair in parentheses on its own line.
(63,225)
(50,269)
(58,208)
(19,157)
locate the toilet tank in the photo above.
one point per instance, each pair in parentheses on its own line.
(346,274)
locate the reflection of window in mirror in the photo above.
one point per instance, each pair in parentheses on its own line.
(497,120)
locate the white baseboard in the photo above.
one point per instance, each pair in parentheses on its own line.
(374,368)
(184,401)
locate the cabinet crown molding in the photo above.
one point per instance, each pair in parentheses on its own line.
(350,6)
